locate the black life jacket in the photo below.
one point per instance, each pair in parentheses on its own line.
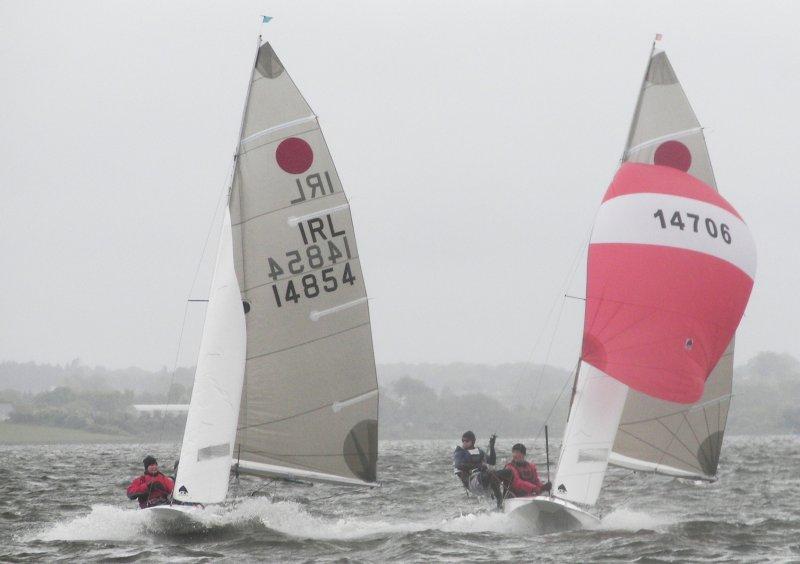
(470,459)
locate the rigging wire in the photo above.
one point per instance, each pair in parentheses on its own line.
(189,300)
(560,301)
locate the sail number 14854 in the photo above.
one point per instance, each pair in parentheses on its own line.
(310,287)
(693,222)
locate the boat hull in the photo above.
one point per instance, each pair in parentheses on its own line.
(549,514)
(177,516)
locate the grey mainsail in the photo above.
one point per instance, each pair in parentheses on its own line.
(310,399)
(656,435)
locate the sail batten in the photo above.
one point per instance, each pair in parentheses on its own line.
(276,128)
(676,135)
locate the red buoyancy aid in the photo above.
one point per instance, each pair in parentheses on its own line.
(525,479)
(150,490)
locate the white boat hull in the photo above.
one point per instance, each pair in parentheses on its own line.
(549,514)
(178,516)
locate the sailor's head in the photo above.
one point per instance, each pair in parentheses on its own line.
(468,439)
(518,452)
(150,464)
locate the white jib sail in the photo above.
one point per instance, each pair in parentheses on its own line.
(591,428)
(205,460)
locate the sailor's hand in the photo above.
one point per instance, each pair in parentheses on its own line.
(547,486)
(492,439)
(156,485)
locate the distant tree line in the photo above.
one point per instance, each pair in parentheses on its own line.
(98,411)
(417,400)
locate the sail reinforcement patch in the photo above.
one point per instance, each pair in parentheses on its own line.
(268,64)
(593,455)
(214,451)
(361,449)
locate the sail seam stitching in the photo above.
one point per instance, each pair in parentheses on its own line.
(375,391)
(308,342)
(310,269)
(687,410)
(662,451)
(237,224)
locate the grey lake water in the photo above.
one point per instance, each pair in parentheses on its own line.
(68,502)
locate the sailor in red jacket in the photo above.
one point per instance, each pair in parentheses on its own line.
(152,487)
(525,480)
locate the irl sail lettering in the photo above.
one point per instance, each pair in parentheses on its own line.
(323,244)
(314,187)
(310,228)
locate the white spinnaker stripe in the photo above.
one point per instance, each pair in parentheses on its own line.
(631,219)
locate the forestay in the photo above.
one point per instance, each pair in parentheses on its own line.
(205,459)
(310,398)
(657,435)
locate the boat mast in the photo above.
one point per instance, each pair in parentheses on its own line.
(230,193)
(639,99)
(244,115)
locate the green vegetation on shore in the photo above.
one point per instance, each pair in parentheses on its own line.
(16,434)
(417,400)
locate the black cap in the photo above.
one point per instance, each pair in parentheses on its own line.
(469,435)
(519,447)
(148,460)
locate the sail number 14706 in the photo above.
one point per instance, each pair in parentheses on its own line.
(693,222)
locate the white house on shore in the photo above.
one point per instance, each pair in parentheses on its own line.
(161,408)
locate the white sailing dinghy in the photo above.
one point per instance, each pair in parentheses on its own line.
(286,385)
(670,270)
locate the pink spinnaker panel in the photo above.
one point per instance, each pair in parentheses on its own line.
(664,301)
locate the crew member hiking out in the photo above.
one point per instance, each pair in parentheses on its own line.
(152,487)
(524,480)
(470,465)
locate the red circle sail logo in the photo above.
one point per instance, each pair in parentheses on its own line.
(294,155)
(674,154)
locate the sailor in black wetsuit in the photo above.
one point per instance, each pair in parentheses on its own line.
(470,465)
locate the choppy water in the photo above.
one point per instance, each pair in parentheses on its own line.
(68,502)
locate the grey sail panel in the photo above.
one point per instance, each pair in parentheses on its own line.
(672,438)
(664,121)
(310,399)
(655,435)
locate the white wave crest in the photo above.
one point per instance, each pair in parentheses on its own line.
(108,522)
(104,522)
(484,523)
(626,519)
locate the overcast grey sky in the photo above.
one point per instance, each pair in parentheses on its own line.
(475,140)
